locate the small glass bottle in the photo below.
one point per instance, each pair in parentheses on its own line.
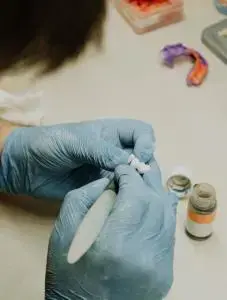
(201,212)
(180,185)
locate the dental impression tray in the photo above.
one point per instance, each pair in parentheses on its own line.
(215,38)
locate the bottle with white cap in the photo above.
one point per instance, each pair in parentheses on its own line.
(179,182)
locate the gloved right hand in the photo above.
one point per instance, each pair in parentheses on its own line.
(133,256)
(50,161)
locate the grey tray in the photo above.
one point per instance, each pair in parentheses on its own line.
(215,38)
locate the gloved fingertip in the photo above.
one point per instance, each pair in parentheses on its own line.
(153,178)
(122,169)
(144,148)
(96,188)
(127,174)
(101,183)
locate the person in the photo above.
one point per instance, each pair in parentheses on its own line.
(133,255)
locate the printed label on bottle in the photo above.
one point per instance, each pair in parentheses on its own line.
(200,225)
(201,219)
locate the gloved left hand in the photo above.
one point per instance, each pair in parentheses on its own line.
(132,259)
(50,161)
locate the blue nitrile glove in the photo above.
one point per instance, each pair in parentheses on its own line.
(133,255)
(50,161)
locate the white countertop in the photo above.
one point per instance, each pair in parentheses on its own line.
(128,80)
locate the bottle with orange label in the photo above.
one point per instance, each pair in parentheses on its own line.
(201,212)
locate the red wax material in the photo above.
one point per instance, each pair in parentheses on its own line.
(147,4)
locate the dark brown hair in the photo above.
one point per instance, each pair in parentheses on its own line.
(49,32)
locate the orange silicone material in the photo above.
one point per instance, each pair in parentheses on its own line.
(156,16)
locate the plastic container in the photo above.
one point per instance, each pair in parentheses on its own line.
(215,38)
(155,16)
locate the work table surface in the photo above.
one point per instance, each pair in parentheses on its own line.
(127,79)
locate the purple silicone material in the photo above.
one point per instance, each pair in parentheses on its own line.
(170,52)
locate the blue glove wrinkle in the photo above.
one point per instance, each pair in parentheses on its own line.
(12,161)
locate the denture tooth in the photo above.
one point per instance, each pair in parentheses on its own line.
(140,167)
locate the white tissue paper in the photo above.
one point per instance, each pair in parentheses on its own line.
(23,109)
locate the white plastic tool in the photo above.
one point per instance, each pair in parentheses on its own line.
(91,226)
